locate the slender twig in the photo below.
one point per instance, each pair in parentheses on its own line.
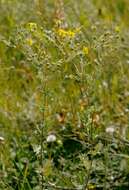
(42,155)
(42,128)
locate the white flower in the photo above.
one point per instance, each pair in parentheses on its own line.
(110,129)
(126,94)
(126,110)
(105,84)
(63,127)
(2,140)
(112,178)
(127,61)
(51,138)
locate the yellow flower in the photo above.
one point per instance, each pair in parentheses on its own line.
(117,29)
(90,186)
(32,26)
(29,41)
(62,33)
(66,33)
(85,50)
(71,34)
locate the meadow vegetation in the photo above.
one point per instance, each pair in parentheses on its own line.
(64,94)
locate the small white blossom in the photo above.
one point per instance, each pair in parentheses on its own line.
(2,140)
(126,94)
(110,129)
(126,110)
(105,84)
(51,138)
(63,127)
(79,125)
(127,61)
(112,178)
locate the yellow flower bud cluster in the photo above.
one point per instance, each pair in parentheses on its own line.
(85,50)
(32,26)
(66,33)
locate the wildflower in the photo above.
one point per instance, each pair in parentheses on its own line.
(51,138)
(29,41)
(32,26)
(71,34)
(1,140)
(62,33)
(117,29)
(66,33)
(93,27)
(59,142)
(126,110)
(91,186)
(71,76)
(105,84)
(112,177)
(85,50)
(110,129)
(126,94)
(63,127)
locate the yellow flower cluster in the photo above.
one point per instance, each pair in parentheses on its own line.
(117,29)
(29,41)
(66,33)
(85,50)
(32,26)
